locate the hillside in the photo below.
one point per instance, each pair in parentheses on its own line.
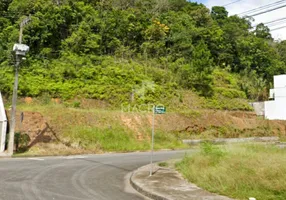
(55,128)
(95,68)
(107,50)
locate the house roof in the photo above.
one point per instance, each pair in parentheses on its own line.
(2,110)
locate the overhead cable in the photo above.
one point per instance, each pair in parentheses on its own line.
(262,7)
(230,3)
(267,11)
(276,20)
(275,29)
(277,23)
(272,23)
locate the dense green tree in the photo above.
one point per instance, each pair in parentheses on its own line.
(263,31)
(219,14)
(281,46)
(196,75)
(78,45)
(256,54)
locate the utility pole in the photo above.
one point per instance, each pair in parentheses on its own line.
(21,51)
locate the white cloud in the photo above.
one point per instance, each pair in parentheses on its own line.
(245,5)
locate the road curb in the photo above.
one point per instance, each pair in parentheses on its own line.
(145,192)
(168,184)
(5,155)
(233,140)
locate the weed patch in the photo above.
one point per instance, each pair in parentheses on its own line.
(240,171)
(117,139)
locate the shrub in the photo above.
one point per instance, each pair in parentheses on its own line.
(215,153)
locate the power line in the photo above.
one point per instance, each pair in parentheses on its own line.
(273,22)
(276,20)
(275,29)
(277,23)
(262,7)
(270,10)
(230,3)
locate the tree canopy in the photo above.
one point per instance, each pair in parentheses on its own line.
(105,48)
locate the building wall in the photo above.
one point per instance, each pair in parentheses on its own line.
(3,128)
(276,109)
(3,125)
(279,93)
(280,81)
(258,108)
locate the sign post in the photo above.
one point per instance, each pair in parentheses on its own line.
(156,110)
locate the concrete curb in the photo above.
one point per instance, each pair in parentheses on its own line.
(146,193)
(233,140)
(168,184)
(5,155)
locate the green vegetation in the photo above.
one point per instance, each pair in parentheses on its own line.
(163,164)
(241,171)
(95,130)
(127,54)
(115,139)
(95,127)
(143,51)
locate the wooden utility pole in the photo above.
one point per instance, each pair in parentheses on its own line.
(20,54)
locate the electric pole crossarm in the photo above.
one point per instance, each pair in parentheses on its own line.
(23,23)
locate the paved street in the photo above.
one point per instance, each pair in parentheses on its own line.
(74,177)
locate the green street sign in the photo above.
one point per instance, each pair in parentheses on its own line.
(160,110)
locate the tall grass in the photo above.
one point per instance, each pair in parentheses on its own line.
(100,130)
(118,139)
(240,172)
(106,139)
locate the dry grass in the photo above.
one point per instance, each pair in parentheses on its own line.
(240,171)
(99,129)
(54,149)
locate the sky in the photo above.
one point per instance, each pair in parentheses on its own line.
(245,5)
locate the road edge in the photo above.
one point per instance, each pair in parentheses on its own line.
(193,191)
(143,191)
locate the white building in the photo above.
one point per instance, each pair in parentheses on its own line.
(276,109)
(3,125)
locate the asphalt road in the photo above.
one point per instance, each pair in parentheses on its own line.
(100,177)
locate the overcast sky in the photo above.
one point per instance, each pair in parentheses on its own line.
(245,5)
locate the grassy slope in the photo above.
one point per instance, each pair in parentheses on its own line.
(83,125)
(99,130)
(90,129)
(239,171)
